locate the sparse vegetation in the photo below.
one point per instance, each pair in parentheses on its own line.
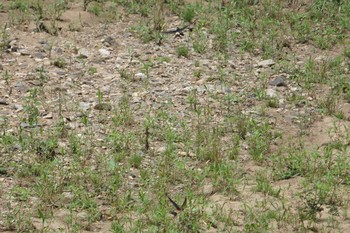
(174,116)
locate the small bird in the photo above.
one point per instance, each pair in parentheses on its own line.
(177,207)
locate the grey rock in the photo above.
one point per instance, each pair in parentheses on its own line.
(48,116)
(109,41)
(3,102)
(208,189)
(84,106)
(140,76)
(61,72)
(266,63)
(278,82)
(58,50)
(39,55)
(18,107)
(84,53)
(24,52)
(104,53)
(271,93)
(232,64)
(21,87)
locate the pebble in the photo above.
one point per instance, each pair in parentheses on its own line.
(18,107)
(208,189)
(24,52)
(109,41)
(104,53)
(271,93)
(84,53)
(232,64)
(39,55)
(84,106)
(140,76)
(48,116)
(21,87)
(266,63)
(3,102)
(278,82)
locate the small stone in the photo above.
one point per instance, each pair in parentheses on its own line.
(182,153)
(21,87)
(1,68)
(84,53)
(18,107)
(84,106)
(3,102)
(39,55)
(161,150)
(201,81)
(109,41)
(140,76)
(278,82)
(232,64)
(103,106)
(24,52)
(82,216)
(271,93)
(266,63)
(46,62)
(208,189)
(58,50)
(104,53)
(61,72)
(48,116)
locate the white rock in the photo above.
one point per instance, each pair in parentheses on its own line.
(140,76)
(271,93)
(266,63)
(84,53)
(104,53)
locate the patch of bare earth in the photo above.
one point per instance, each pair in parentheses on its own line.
(70,92)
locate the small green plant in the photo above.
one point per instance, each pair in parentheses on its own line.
(31,107)
(347,52)
(95,9)
(6,76)
(189,13)
(92,70)
(273,102)
(136,161)
(182,51)
(5,42)
(264,185)
(60,63)
(259,140)
(197,73)
(124,74)
(329,104)
(193,99)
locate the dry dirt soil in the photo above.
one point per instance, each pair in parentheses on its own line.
(96,80)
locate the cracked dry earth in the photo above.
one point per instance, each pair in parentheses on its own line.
(109,59)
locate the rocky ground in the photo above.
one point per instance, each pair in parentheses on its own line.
(98,128)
